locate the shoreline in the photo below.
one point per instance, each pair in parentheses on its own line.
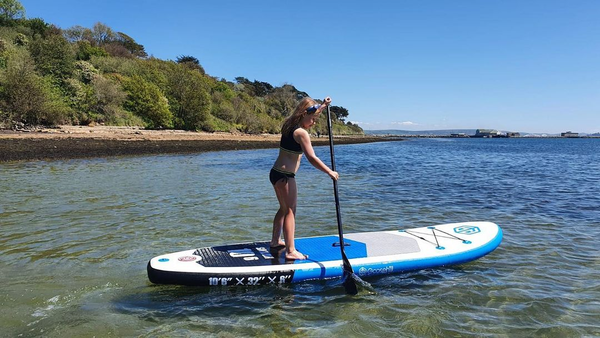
(76,142)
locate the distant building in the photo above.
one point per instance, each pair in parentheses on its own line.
(512,134)
(569,134)
(487,133)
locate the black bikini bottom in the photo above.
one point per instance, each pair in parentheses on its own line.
(276,175)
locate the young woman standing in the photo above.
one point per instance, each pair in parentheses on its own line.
(295,141)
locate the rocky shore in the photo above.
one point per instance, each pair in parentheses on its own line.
(68,142)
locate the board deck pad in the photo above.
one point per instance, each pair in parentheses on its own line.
(384,244)
(370,253)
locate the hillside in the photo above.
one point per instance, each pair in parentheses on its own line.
(98,76)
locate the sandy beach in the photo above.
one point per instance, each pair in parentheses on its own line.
(67,142)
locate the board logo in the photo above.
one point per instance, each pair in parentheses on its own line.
(187,258)
(375,271)
(467,230)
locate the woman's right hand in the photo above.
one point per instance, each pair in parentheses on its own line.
(327,101)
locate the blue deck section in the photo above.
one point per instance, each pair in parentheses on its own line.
(321,249)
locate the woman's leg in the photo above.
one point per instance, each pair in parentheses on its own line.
(287,195)
(276,240)
(280,191)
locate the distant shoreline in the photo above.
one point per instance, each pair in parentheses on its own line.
(477,137)
(474,133)
(71,142)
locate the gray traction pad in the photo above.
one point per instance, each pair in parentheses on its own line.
(384,244)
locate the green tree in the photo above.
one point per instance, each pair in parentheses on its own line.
(191,102)
(21,40)
(340,113)
(245,118)
(109,98)
(261,88)
(256,88)
(38,26)
(85,50)
(78,33)
(102,37)
(113,65)
(30,98)
(224,88)
(85,71)
(130,45)
(102,34)
(222,109)
(146,100)
(11,10)
(222,106)
(190,62)
(82,99)
(187,59)
(283,100)
(156,71)
(53,56)
(4,53)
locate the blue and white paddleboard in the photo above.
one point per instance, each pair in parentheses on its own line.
(370,254)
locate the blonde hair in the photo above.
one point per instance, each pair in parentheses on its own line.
(298,114)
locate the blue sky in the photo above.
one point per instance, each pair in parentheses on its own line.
(514,65)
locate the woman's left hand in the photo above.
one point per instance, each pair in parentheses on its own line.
(334,175)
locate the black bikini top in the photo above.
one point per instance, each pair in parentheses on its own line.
(288,143)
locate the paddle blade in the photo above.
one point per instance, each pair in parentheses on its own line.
(349,283)
(349,278)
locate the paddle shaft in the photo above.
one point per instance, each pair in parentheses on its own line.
(347,266)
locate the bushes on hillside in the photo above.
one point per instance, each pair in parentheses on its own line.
(30,98)
(147,101)
(191,102)
(53,56)
(86,51)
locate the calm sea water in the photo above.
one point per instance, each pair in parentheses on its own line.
(76,237)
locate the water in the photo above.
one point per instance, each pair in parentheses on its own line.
(76,237)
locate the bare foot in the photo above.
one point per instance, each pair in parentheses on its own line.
(279,245)
(295,255)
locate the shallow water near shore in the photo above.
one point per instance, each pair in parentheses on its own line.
(77,235)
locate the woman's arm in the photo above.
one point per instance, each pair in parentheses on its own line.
(326,102)
(309,152)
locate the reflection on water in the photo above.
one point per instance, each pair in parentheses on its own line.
(76,237)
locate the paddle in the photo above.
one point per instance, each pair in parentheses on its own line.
(348,278)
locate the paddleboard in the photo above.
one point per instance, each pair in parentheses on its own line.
(370,254)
